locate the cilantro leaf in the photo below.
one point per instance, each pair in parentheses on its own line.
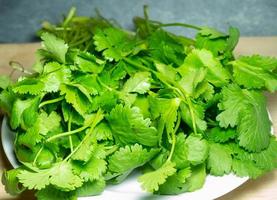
(211,33)
(198,149)
(92,170)
(203,63)
(5,81)
(130,157)
(180,155)
(10,180)
(247,110)
(52,193)
(114,43)
(139,83)
(129,126)
(103,132)
(220,135)
(175,184)
(167,109)
(255,72)
(60,175)
(55,46)
(91,188)
(152,180)
(76,98)
(24,112)
(198,112)
(219,160)
(197,178)
(29,85)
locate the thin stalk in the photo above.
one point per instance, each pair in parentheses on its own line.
(145,11)
(37,155)
(192,115)
(51,101)
(67,133)
(96,120)
(69,129)
(173,137)
(159,24)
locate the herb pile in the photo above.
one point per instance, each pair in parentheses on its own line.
(103,101)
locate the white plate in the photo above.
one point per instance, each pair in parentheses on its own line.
(130,189)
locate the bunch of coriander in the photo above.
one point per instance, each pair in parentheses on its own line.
(103,101)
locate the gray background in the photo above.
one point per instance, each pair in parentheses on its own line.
(19,19)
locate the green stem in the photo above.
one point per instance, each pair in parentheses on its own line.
(145,10)
(51,101)
(69,137)
(67,133)
(192,115)
(37,155)
(173,137)
(97,119)
(179,24)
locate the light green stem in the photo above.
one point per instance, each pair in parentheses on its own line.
(67,133)
(37,155)
(51,101)
(69,137)
(173,137)
(97,119)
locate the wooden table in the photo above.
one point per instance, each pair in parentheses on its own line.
(264,188)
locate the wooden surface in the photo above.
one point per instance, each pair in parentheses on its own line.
(264,188)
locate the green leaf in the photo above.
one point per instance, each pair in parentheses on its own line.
(92,170)
(233,39)
(103,132)
(91,188)
(10,180)
(55,46)
(89,63)
(198,149)
(198,113)
(5,81)
(24,112)
(167,109)
(220,135)
(139,83)
(165,48)
(86,150)
(180,155)
(29,85)
(203,63)
(197,178)
(247,110)
(52,193)
(89,82)
(175,183)
(211,33)
(130,157)
(255,72)
(54,74)
(76,97)
(219,160)
(152,180)
(216,46)
(7,98)
(242,169)
(60,175)
(129,126)
(114,43)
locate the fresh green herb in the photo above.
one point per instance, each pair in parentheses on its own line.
(104,101)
